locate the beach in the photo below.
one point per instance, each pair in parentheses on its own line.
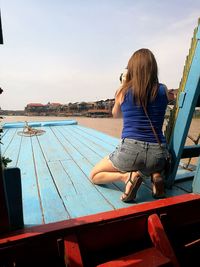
(110,126)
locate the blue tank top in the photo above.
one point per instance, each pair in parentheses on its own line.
(135,123)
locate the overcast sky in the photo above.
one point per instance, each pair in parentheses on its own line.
(70,51)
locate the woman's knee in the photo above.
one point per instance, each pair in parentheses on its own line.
(92,174)
(96,169)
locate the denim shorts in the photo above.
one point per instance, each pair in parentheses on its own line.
(144,157)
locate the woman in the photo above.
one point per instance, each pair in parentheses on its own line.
(139,154)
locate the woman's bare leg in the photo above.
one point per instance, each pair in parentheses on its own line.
(158,189)
(104,172)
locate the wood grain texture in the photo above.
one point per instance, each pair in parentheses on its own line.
(55,169)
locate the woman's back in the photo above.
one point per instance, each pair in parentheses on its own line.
(136,124)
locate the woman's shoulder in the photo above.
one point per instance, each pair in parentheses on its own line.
(163,90)
(162,86)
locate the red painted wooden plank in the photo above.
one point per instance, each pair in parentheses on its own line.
(160,239)
(72,252)
(187,201)
(108,235)
(150,257)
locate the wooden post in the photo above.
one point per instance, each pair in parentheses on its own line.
(187,103)
(196,181)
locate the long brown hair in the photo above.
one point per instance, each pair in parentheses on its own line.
(142,77)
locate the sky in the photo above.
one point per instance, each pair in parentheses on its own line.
(73,51)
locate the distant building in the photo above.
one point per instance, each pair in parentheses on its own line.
(98,113)
(40,109)
(34,108)
(98,108)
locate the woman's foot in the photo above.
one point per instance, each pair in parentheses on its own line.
(132,183)
(158,188)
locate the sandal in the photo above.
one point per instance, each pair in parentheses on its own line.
(136,182)
(158,189)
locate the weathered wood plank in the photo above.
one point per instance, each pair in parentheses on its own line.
(13,149)
(4,132)
(51,146)
(6,139)
(174,191)
(31,201)
(85,151)
(55,170)
(78,194)
(104,137)
(100,150)
(68,146)
(51,202)
(185,111)
(109,191)
(185,185)
(112,192)
(91,138)
(196,181)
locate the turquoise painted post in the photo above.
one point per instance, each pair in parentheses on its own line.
(196,181)
(187,103)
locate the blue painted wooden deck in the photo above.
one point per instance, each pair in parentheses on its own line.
(55,171)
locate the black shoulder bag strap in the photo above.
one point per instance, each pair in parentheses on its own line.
(153,129)
(168,158)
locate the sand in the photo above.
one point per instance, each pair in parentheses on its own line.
(109,126)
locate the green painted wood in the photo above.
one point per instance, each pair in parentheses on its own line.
(51,202)
(51,146)
(78,194)
(13,149)
(31,200)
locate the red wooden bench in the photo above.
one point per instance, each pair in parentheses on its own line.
(160,254)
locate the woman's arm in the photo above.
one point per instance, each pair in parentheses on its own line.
(116,111)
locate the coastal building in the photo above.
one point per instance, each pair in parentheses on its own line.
(100,108)
(41,109)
